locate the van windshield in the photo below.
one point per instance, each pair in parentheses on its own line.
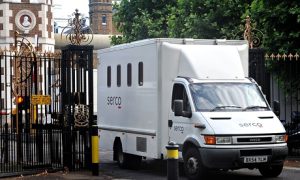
(228,97)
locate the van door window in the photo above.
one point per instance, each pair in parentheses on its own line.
(119,75)
(129,74)
(179,92)
(141,74)
(108,76)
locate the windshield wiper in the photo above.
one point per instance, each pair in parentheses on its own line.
(224,107)
(255,107)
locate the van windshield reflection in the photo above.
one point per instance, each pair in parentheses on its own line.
(228,97)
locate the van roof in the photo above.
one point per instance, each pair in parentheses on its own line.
(187,41)
(210,62)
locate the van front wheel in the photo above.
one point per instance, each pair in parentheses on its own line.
(271,171)
(193,167)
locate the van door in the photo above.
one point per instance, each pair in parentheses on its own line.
(179,126)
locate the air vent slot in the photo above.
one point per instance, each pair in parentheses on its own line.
(141,144)
(220,118)
(266,117)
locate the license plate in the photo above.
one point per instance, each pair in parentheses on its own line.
(255,159)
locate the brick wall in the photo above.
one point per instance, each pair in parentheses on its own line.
(40,17)
(98,9)
(34,8)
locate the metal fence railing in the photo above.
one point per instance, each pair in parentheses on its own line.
(278,75)
(293,130)
(285,88)
(30,151)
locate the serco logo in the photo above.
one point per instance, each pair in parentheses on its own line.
(114,101)
(257,125)
(254,140)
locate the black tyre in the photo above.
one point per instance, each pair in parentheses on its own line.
(122,158)
(271,171)
(135,161)
(127,161)
(193,167)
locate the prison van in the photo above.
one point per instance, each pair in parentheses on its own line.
(193,92)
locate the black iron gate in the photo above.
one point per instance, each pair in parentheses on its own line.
(278,75)
(258,70)
(77,104)
(29,138)
(46,109)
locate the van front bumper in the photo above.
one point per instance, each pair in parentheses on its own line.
(221,158)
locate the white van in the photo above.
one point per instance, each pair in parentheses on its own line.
(193,92)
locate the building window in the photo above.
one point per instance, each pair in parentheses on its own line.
(108,76)
(141,75)
(2,71)
(119,75)
(129,74)
(104,20)
(2,86)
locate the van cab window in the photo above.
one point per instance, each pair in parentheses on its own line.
(179,93)
(228,97)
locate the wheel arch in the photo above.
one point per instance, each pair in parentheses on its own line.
(190,142)
(117,142)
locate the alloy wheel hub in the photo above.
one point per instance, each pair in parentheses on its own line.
(192,164)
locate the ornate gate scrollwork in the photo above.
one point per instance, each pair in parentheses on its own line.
(81,115)
(76,31)
(25,56)
(251,34)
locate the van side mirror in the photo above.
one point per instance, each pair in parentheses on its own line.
(178,109)
(276,108)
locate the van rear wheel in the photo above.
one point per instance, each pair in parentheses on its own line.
(127,161)
(193,166)
(271,171)
(122,158)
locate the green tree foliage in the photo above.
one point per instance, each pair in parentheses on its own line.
(140,19)
(280,23)
(207,18)
(278,20)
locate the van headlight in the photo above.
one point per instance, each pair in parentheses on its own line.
(223,140)
(213,140)
(281,138)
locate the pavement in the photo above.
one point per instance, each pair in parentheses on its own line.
(293,163)
(290,163)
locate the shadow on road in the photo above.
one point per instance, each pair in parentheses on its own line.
(157,169)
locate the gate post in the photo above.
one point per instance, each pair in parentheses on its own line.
(258,70)
(66,110)
(77,79)
(77,105)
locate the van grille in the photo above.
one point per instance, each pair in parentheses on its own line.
(253,139)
